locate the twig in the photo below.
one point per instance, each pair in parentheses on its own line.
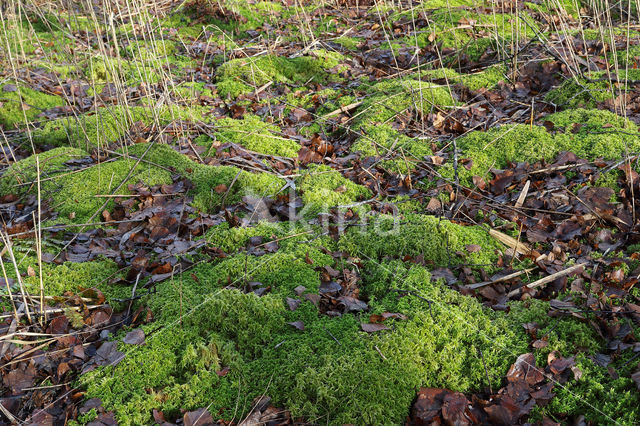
(497,280)
(547,279)
(342,109)
(381,354)
(523,195)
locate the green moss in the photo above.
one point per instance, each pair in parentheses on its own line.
(347,42)
(498,146)
(555,7)
(565,335)
(589,134)
(76,193)
(598,396)
(25,171)
(189,21)
(308,372)
(595,134)
(240,76)
(206,178)
(24,103)
(146,50)
(494,30)
(323,187)
(256,135)
(487,78)
(384,141)
(398,96)
(71,276)
(331,372)
(106,125)
(232,240)
(579,92)
(440,242)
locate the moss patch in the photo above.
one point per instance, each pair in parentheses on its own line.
(323,187)
(256,135)
(440,242)
(23,102)
(240,76)
(589,134)
(309,372)
(106,125)
(21,177)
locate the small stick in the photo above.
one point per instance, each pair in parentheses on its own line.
(381,354)
(547,279)
(498,280)
(133,195)
(7,242)
(334,337)
(39,242)
(486,371)
(6,282)
(518,247)
(523,195)
(342,109)
(55,311)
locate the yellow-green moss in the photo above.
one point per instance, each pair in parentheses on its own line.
(440,242)
(322,188)
(77,192)
(308,372)
(106,125)
(589,134)
(24,102)
(72,276)
(206,179)
(256,135)
(21,176)
(487,78)
(393,97)
(384,141)
(244,75)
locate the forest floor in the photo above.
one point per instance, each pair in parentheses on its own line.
(329,213)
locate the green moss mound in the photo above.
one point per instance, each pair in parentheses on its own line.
(256,135)
(206,179)
(487,78)
(240,76)
(74,277)
(384,141)
(75,195)
(440,242)
(589,134)
(330,372)
(594,87)
(21,177)
(307,371)
(23,103)
(323,188)
(106,125)
(384,102)
(389,98)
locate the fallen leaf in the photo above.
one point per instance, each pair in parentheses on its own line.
(373,328)
(297,324)
(134,337)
